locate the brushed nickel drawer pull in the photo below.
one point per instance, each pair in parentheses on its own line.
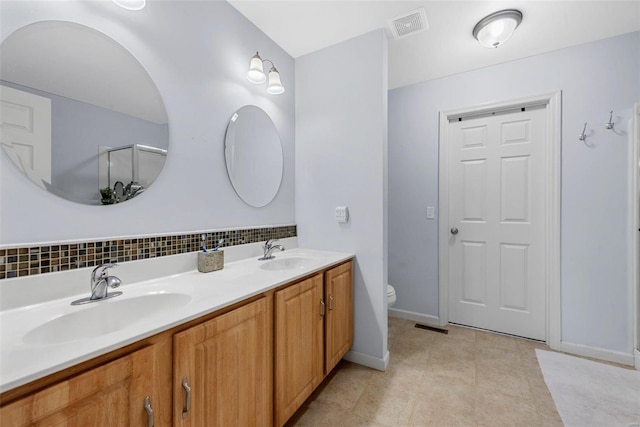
(187,404)
(149,409)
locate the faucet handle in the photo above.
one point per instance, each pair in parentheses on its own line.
(270,243)
(100,272)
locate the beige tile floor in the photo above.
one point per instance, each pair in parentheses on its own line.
(464,378)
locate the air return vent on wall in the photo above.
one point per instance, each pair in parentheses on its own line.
(409,23)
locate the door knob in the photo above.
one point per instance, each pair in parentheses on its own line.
(454,230)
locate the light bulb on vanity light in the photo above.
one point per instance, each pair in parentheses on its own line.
(256,72)
(275,86)
(131,4)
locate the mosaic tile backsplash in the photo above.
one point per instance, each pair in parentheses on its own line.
(27,261)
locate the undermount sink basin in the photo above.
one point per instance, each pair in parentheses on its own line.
(103,317)
(293,263)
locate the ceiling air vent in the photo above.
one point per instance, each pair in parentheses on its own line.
(410,23)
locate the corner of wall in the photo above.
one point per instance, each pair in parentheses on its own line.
(341,150)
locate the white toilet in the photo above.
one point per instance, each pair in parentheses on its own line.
(391,296)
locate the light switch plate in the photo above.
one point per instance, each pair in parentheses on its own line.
(431,212)
(342,214)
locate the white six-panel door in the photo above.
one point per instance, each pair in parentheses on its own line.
(25,132)
(496,219)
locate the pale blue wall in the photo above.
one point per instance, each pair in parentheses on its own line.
(594,78)
(197,53)
(341,137)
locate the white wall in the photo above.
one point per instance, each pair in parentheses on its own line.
(594,78)
(341,99)
(197,53)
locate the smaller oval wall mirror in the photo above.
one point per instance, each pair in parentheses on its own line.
(253,154)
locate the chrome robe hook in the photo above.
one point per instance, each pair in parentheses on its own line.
(583,135)
(609,124)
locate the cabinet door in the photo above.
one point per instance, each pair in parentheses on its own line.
(299,345)
(110,395)
(226,363)
(339,298)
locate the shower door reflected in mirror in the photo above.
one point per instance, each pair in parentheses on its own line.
(68,92)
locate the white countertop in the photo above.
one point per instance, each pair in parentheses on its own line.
(22,362)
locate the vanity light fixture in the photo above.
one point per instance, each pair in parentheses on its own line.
(256,75)
(131,4)
(495,29)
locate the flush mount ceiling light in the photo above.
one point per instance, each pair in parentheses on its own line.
(497,28)
(131,4)
(256,75)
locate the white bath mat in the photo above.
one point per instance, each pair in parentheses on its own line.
(589,393)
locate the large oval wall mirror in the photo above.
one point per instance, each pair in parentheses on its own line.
(80,116)
(253,153)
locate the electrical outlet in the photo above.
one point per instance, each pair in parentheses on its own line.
(342,214)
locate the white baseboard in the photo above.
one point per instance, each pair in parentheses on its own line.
(598,353)
(416,317)
(368,360)
(637,357)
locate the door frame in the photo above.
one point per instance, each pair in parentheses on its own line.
(634,223)
(552,104)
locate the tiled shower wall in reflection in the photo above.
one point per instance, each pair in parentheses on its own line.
(26,261)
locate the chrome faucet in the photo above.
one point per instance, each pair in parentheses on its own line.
(268,247)
(101,281)
(100,284)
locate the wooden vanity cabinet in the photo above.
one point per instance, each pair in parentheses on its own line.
(313,331)
(339,317)
(299,335)
(227,360)
(110,395)
(245,365)
(223,369)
